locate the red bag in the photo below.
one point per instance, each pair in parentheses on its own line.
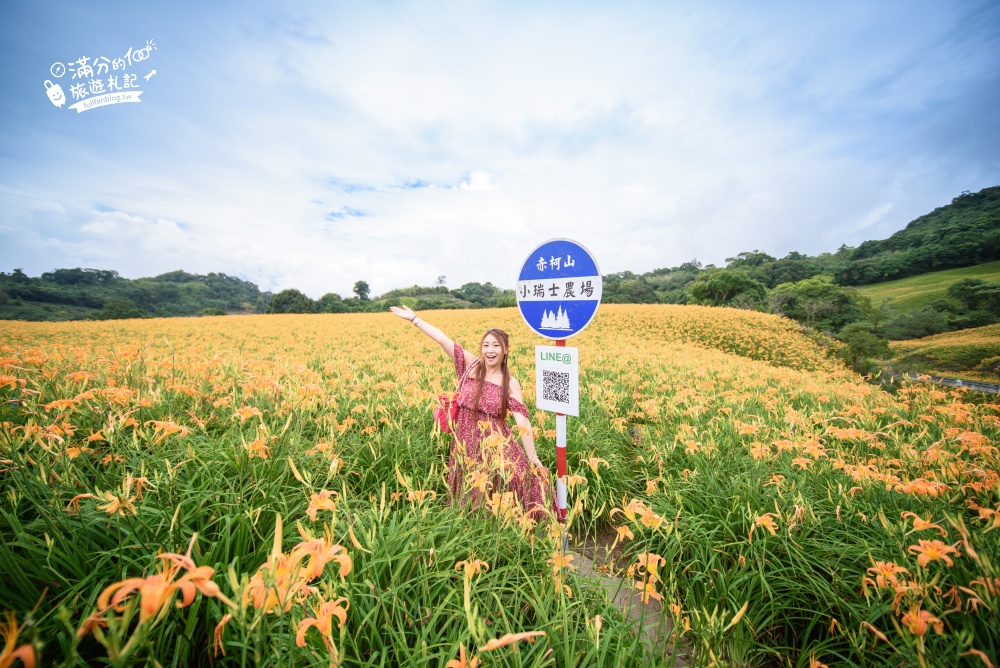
(447,411)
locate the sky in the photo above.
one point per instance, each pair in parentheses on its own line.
(310,145)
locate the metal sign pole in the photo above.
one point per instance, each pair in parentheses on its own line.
(561,458)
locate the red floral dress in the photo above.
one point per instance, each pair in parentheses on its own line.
(472,438)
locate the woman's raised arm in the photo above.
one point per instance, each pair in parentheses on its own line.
(430,330)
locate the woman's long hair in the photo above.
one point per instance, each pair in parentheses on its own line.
(480,373)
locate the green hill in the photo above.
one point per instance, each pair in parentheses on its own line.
(961,234)
(916,292)
(74,294)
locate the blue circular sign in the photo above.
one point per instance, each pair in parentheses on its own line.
(559,289)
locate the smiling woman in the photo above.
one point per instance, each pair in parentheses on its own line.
(486,463)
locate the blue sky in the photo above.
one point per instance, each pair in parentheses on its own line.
(313,144)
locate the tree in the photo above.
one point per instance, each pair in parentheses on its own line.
(117,308)
(821,304)
(331,303)
(722,286)
(441,280)
(862,347)
(754,258)
(291,301)
(362,290)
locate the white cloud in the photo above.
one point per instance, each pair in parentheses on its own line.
(401,142)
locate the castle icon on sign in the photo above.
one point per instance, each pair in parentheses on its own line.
(557,320)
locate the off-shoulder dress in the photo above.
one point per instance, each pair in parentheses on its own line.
(472,432)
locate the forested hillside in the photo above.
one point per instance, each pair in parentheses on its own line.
(73,294)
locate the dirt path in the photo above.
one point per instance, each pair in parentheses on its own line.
(593,561)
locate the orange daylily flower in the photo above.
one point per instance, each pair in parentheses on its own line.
(510,638)
(767,521)
(986,514)
(595,462)
(462,661)
(321,501)
(244,413)
(320,553)
(117,504)
(167,427)
(74,504)
(323,621)
(916,620)
(9,630)
(885,573)
(933,550)
(472,567)
(920,524)
(157,591)
(220,628)
(624,533)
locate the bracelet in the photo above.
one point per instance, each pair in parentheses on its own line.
(413,318)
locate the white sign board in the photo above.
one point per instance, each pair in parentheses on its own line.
(557,379)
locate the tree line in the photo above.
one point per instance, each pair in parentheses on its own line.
(419,298)
(75,294)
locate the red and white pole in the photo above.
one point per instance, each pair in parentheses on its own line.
(561,458)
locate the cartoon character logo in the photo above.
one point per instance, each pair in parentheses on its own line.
(55,93)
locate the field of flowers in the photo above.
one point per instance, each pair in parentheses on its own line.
(269,490)
(973,354)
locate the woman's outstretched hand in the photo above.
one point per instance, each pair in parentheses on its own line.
(404,312)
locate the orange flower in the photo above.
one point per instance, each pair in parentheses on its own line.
(472,567)
(560,561)
(323,621)
(933,550)
(595,462)
(461,661)
(321,501)
(246,412)
(217,645)
(917,620)
(157,591)
(650,519)
(510,638)
(624,533)
(920,524)
(281,588)
(10,629)
(117,504)
(986,514)
(885,574)
(320,553)
(166,428)
(74,504)
(418,495)
(634,506)
(767,521)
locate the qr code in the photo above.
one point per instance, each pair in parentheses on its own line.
(555,386)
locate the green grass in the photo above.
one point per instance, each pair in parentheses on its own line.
(917,291)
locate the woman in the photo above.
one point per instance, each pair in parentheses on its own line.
(484,454)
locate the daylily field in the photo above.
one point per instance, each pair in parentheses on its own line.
(268,490)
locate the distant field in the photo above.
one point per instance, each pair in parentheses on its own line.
(972,354)
(917,291)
